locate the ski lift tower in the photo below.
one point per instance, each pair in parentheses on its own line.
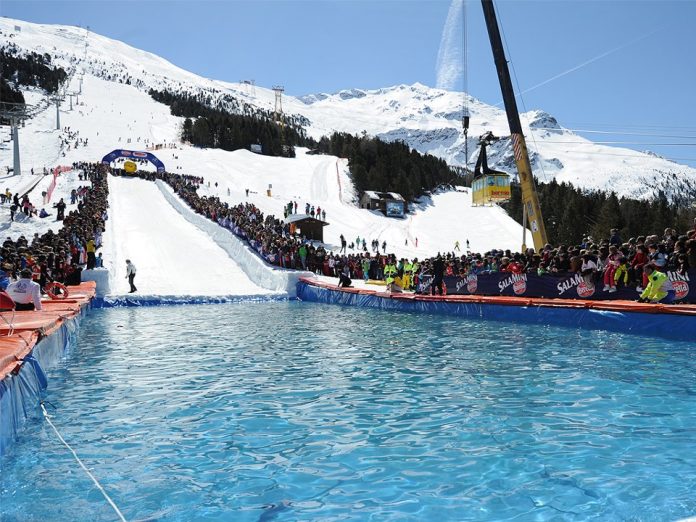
(249,87)
(278,89)
(15,113)
(57,99)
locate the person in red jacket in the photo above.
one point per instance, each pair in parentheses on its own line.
(637,263)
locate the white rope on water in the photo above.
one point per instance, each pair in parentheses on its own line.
(96,482)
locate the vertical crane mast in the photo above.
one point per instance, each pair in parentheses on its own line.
(530,200)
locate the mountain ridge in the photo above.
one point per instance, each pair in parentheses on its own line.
(425,118)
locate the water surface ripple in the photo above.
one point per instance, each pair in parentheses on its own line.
(296,411)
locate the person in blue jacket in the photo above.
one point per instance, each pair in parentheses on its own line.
(5,272)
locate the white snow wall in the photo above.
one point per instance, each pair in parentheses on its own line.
(101,276)
(264,275)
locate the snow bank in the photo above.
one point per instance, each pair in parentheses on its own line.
(270,278)
(101,276)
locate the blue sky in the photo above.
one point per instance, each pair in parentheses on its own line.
(641,93)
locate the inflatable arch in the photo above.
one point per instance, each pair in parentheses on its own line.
(132,154)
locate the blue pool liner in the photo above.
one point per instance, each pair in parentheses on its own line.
(22,391)
(669,326)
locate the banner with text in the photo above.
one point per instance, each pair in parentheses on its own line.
(566,286)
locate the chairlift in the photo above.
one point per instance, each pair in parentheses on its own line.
(489,186)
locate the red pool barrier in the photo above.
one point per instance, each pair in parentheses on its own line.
(20,331)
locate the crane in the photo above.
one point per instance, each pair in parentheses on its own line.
(531,211)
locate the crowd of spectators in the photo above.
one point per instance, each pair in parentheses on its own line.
(610,261)
(61,256)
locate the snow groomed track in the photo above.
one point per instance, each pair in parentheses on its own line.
(29,342)
(676,322)
(173,257)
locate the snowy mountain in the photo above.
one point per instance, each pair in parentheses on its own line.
(428,119)
(114,111)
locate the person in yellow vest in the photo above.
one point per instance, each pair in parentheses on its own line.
(91,254)
(408,271)
(621,272)
(390,274)
(659,288)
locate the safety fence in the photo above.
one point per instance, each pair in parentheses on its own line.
(55,172)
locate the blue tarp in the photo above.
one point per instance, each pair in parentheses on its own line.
(669,326)
(20,393)
(125,301)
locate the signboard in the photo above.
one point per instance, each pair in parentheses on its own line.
(566,286)
(120,153)
(395,208)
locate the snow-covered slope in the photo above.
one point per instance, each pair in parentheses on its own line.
(427,119)
(114,115)
(187,264)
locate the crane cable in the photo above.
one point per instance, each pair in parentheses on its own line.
(524,106)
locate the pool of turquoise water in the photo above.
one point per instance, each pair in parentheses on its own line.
(295,411)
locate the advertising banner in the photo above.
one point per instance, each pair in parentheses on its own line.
(566,286)
(121,153)
(395,208)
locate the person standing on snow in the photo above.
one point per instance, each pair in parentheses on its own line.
(130,275)
(60,208)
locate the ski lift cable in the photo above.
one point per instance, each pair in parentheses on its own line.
(623,133)
(622,143)
(637,153)
(635,127)
(514,74)
(588,62)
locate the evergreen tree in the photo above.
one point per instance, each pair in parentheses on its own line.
(609,217)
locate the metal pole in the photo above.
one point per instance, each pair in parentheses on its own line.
(57,114)
(524,229)
(15,139)
(530,198)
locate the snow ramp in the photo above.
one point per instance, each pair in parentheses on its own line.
(179,254)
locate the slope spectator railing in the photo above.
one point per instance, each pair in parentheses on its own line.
(55,173)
